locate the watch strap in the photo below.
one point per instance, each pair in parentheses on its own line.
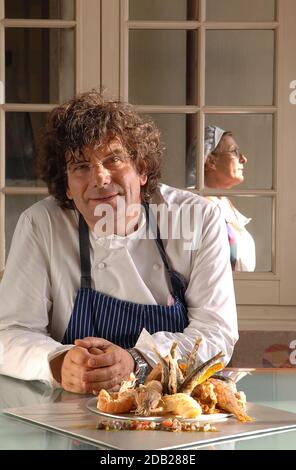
(141,366)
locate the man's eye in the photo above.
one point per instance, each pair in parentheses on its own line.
(116,159)
(82,167)
(113,161)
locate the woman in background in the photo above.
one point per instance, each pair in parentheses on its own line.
(223,169)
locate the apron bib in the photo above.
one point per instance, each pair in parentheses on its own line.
(119,321)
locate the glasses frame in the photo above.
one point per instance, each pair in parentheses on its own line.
(89,167)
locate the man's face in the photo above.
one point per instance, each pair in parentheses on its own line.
(228,163)
(91,183)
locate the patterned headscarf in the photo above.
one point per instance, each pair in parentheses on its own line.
(213,135)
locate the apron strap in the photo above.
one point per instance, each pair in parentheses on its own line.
(85,280)
(152,225)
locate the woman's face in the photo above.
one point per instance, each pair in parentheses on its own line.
(226,164)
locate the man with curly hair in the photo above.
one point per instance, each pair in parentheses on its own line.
(93,269)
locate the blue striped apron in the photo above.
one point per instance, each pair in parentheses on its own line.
(119,321)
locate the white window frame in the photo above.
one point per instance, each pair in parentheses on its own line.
(87,27)
(261,296)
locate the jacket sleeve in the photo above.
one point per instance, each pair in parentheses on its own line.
(25,306)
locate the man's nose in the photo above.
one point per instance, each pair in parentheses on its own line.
(100,175)
(243,158)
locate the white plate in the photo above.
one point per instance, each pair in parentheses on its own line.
(92,406)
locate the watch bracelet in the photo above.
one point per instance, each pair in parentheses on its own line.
(141,365)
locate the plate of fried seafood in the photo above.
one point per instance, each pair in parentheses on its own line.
(202,418)
(176,388)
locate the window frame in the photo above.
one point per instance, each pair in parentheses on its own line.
(87,30)
(258,288)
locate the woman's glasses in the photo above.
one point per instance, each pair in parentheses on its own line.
(234,153)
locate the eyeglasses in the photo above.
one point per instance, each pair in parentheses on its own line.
(83,169)
(235,153)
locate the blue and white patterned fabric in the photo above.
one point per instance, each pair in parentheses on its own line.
(121,322)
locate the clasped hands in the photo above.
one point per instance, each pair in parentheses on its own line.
(93,364)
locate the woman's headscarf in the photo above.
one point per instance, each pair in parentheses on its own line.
(213,135)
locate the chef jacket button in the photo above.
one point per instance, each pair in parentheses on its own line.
(101,265)
(156,267)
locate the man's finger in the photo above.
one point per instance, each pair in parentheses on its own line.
(102,374)
(79,356)
(110,385)
(95,351)
(72,384)
(107,359)
(92,342)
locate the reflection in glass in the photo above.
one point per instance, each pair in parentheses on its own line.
(272,350)
(259,210)
(241,243)
(39,65)
(240,10)
(161,71)
(175,129)
(40,9)
(21,134)
(163,10)
(14,206)
(239,67)
(254,135)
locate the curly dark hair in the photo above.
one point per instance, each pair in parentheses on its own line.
(89,120)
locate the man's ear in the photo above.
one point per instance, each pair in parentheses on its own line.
(210,162)
(143,179)
(143,173)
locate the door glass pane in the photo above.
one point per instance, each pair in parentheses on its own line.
(21,134)
(239,67)
(254,135)
(175,136)
(40,9)
(260,210)
(160,68)
(240,10)
(14,206)
(163,9)
(39,65)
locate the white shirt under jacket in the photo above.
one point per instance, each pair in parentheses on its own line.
(42,277)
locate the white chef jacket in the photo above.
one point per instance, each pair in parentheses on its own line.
(42,277)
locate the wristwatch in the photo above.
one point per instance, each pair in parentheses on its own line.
(142,367)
